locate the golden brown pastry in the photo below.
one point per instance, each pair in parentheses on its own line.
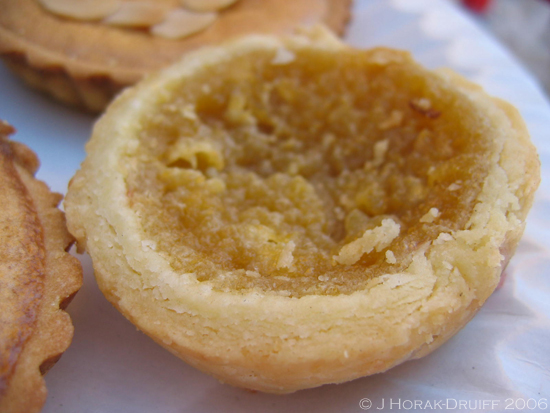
(83,52)
(37,279)
(288,213)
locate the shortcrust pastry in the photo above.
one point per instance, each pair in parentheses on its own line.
(83,52)
(285,213)
(37,279)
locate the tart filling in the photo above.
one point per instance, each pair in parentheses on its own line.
(165,19)
(249,196)
(288,213)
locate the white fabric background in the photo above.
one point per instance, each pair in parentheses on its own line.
(502,357)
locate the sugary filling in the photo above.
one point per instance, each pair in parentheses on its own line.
(304,172)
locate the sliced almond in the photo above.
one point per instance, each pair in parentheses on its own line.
(206,5)
(180,23)
(137,14)
(81,9)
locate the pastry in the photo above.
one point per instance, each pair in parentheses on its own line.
(83,52)
(37,279)
(285,213)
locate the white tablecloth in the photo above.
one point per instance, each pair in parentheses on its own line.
(500,360)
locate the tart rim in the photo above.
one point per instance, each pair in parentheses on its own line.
(312,316)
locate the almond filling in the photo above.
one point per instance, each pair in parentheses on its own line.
(206,5)
(137,14)
(164,19)
(81,9)
(311,176)
(180,23)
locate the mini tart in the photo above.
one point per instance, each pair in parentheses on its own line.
(37,279)
(85,63)
(288,213)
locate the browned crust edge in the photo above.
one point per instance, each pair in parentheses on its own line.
(339,15)
(52,330)
(21,260)
(91,90)
(91,94)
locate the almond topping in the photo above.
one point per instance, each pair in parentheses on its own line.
(206,5)
(181,23)
(137,14)
(81,9)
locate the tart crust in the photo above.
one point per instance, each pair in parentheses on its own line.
(85,64)
(37,279)
(257,335)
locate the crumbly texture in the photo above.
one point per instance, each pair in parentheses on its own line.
(37,279)
(288,213)
(235,176)
(85,64)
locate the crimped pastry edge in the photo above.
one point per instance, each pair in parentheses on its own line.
(313,340)
(52,330)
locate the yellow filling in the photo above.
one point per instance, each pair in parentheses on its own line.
(307,175)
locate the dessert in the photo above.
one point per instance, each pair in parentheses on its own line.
(83,52)
(285,213)
(37,279)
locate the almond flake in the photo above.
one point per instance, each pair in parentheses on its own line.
(81,9)
(206,5)
(137,14)
(180,23)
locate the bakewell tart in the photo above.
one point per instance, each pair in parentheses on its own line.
(83,52)
(37,279)
(285,213)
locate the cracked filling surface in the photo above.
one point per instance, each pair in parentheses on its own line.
(301,173)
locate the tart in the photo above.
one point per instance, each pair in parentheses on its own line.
(83,52)
(38,278)
(286,213)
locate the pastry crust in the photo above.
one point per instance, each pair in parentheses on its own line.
(37,279)
(272,324)
(85,64)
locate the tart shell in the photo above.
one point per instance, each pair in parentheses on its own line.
(85,64)
(38,278)
(262,340)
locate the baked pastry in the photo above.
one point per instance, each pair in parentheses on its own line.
(285,213)
(37,279)
(83,52)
